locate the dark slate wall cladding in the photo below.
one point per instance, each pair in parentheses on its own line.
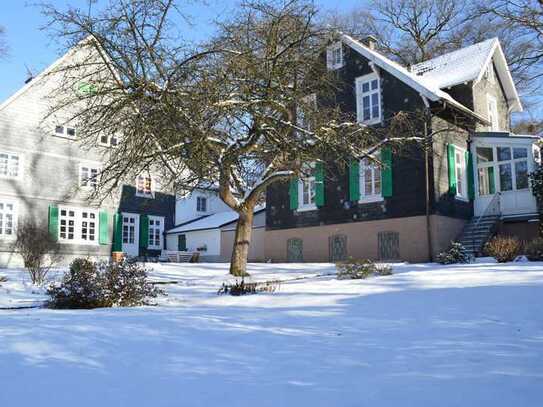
(408,197)
(161,205)
(445,203)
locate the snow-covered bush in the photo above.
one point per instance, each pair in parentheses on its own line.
(455,254)
(355,269)
(39,250)
(503,248)
(93,285)
(534,249)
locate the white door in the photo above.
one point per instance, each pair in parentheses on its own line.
(131,223)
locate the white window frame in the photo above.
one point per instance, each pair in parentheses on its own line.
(462,167)
(152,229)
(365,164)
(311,205)
(360,94)
(3,213)
(144,194)
(334,56)
(109,138)
(11,155)
(492,107)
(489,73)
(78,225)
(90,180)
(64,133)
(199,199)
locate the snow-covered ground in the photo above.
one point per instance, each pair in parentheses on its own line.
(462,335)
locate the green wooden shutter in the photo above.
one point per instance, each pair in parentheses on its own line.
(53,222)
(491,181)
(469,169)
(103,230)
(354,181)
(144,231)
(293,193)
(452,169)
(182,243)
(386,172)
(118,232)
(319,184)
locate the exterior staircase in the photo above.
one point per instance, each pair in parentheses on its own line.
(480,228)
(477,232)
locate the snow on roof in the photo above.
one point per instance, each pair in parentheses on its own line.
(469,64)
(208,222)
(426,88)
(453,68)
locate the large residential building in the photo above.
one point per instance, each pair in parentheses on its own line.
(477,169)
(46,175)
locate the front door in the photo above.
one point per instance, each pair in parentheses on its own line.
(503,166)
(131,234)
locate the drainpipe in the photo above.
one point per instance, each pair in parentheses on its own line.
(427,146)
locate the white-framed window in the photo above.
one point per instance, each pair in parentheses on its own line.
(108,140)
(306,193)
(368,99)
(156,230)
(78,225)
(502,168)
(493,113)
(144,186)
(370,181)
(309,103)
(129,229)
(489,73)
(88,176)
(201,204)
(334,56)
(65,131)
(461,173)
(10,165)
(8,219)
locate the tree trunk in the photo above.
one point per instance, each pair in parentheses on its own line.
(240,251)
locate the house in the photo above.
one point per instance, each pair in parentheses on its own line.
(477,170)
(46,175)
(212,235)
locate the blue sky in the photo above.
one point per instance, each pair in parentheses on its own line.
(31,47)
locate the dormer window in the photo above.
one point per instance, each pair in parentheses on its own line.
(334,56)
(144,186)
(368,99)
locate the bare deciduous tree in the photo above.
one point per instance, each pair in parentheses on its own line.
(233,112)
(38,248)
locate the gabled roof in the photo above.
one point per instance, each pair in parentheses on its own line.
(426,88)
(469,64)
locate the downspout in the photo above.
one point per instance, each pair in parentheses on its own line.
(427,146)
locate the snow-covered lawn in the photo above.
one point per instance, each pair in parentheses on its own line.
(462,335)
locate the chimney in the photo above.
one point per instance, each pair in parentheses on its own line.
(371,42)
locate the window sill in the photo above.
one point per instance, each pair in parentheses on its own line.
(65,137)
(307,208)
(371,199)
(149,196)
(461,198)
(369,122)
(78,243)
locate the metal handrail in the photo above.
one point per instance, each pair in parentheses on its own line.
(493,208)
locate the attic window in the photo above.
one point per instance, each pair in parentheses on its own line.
(65,131)
(489,73)
(334,56)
